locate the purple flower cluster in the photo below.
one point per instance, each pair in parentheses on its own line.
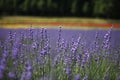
(107,38)
(85,59)
(31,55)
(3,62)
(77,77)
(27,73)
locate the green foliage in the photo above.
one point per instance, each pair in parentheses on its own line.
(93,8)
(40,4)
(74,7)
(102,7)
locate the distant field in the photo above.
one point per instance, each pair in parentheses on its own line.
(53,22)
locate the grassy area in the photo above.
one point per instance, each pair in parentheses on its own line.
(16,19)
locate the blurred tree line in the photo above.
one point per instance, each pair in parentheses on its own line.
(77,8)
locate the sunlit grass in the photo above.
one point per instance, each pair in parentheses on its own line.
(15,19)
(26,26)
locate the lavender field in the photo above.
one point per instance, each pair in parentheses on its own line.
(59,54)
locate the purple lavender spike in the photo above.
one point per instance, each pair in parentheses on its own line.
(5,54)
(29,68)
(85,58)
(11,75)
(1,74)
(118,77)
(86,77)
(14,53)
(79,58)
(28,65)
(78,40)
(28,75)
(30,33)
(43,52)
(106,77)
(3,61)
(56,60)
(75,45)
(68,71)
(2,65)
(34,45)
(77,77)
(2,69)
(106,42)
(67,60)
(87,55)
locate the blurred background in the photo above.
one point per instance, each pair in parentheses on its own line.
(70,14)
(67,13)
(62,8)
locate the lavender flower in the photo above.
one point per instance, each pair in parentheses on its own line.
(77,77)
(28,75)
(79,58)
(14,53)
(67,60)
(106,41)
(56,60)
(5,54)
(20,48)
(85,58)
(59,39)
(86,77)
(78,40)
(68,71)
(2,67)
(34,45)
(62,44)
(23,76)
(30,36)
(118,77)
(43,52)
(29,68)
(74,47)
(11,75)
(3,64)
(95,45)
(28,65)
(106,77)
(1,74)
